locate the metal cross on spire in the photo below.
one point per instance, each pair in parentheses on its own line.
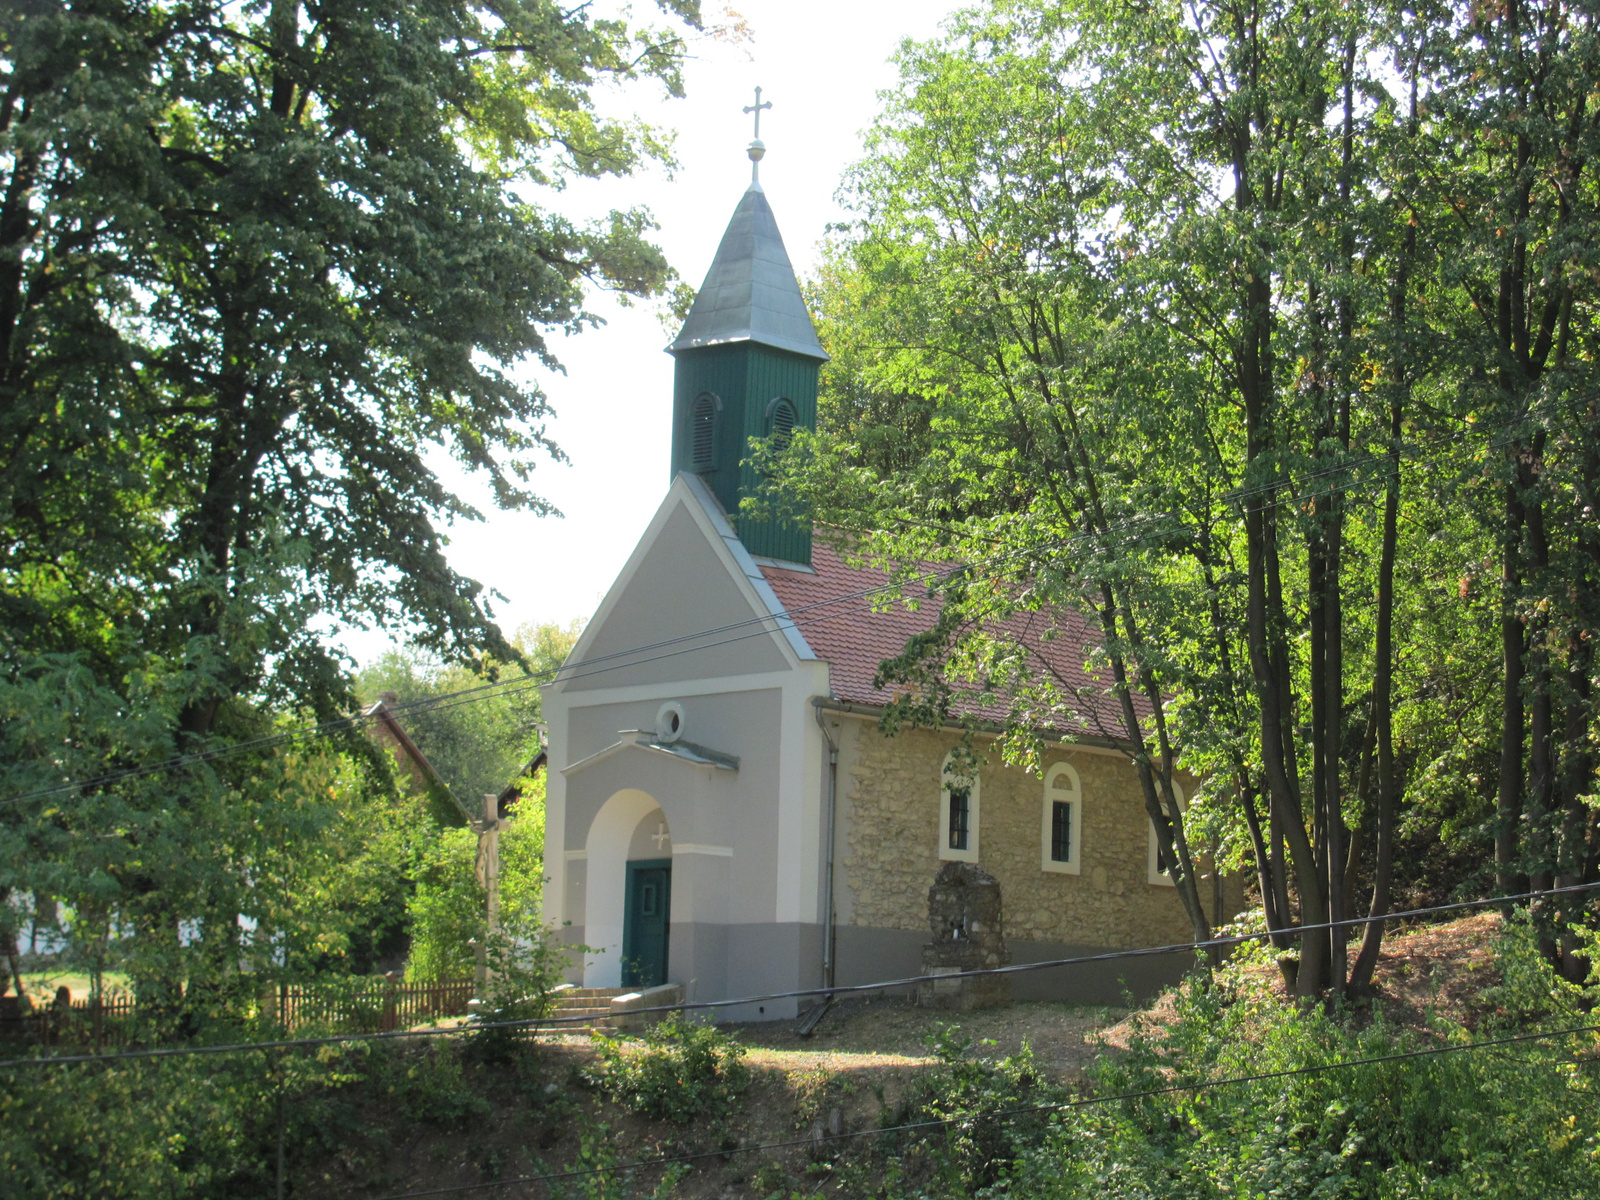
(757,147)
(756,108)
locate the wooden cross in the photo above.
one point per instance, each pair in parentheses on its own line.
(756,108)
(661,837)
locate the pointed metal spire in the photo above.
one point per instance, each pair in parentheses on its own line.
(750,293)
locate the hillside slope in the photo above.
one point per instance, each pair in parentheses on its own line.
(1420,1125)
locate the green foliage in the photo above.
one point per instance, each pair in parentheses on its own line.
(476,747)
(256,263)
(1263,339)
(1527,994)
(430,1084)
(1513,1121)
(210,1127)
(770,1179)
(1517,1120)
(446,911)
(677,1071)
(984,1108)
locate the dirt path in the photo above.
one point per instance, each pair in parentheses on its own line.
(861,1035)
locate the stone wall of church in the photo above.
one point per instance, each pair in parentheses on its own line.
(891,836)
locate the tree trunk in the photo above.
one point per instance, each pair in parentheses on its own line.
(1383,711)
(1156,795)
(1508,804)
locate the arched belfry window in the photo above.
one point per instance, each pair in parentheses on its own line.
(781,420)
(703,431)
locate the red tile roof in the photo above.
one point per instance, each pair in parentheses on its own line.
(832,609)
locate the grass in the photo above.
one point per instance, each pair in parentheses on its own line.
(42,985)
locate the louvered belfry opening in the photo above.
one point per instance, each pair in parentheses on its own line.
(781,422)
(703,432)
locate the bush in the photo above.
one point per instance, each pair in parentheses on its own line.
(1514,1121)
(678,1071)
(983,1134)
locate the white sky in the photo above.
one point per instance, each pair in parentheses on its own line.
(821,63)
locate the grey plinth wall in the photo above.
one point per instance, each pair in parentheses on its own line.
(967,925)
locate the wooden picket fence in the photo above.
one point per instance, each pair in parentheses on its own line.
(109,1021)
(364,1005)
(339,1006)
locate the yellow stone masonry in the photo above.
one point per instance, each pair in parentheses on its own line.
(892,793)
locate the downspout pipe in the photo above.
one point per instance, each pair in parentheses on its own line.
(828,840)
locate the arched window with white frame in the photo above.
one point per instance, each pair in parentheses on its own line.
(1157,870)
(958,808)
(1061,824)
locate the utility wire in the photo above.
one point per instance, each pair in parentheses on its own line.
(1006,1113)
(768,623)
(690,643)
(535,1023)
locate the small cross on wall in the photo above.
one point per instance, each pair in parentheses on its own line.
(661,837)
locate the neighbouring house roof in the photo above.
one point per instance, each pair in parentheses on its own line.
(384,726)
(513,792)
(750,293)
(829,605)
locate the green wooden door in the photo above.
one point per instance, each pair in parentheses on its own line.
(645,922)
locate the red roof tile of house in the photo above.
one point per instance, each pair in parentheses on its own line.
(833,611)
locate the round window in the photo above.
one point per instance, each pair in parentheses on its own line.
(669,722)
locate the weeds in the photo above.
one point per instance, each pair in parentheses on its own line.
(1512,1122)
(678,1071)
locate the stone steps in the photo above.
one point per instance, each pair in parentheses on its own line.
(583,1010)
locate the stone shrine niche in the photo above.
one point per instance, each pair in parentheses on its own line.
(966,921)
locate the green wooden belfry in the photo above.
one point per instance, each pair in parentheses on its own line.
(747,362)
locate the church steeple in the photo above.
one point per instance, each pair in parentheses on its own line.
(747,362)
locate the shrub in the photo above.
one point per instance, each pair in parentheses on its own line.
(678,1071)
(983,1134)
(1514,1121)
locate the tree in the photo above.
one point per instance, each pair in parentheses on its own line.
(480,741)
(1181,314)
(254,261)
(1516,89)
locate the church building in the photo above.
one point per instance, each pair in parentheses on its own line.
(722,809)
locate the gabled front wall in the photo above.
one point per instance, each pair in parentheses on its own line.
(679,589)
(744,844)
(889,854)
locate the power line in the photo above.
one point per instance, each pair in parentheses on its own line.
(1006,1113)
(536,1023)
(688,644)
(768,623)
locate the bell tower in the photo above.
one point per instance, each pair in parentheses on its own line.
(746,365)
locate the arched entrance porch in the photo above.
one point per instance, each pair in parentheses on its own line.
(628,892)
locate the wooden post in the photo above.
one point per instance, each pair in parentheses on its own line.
(487,869)
(391,1012)
(61,1012)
